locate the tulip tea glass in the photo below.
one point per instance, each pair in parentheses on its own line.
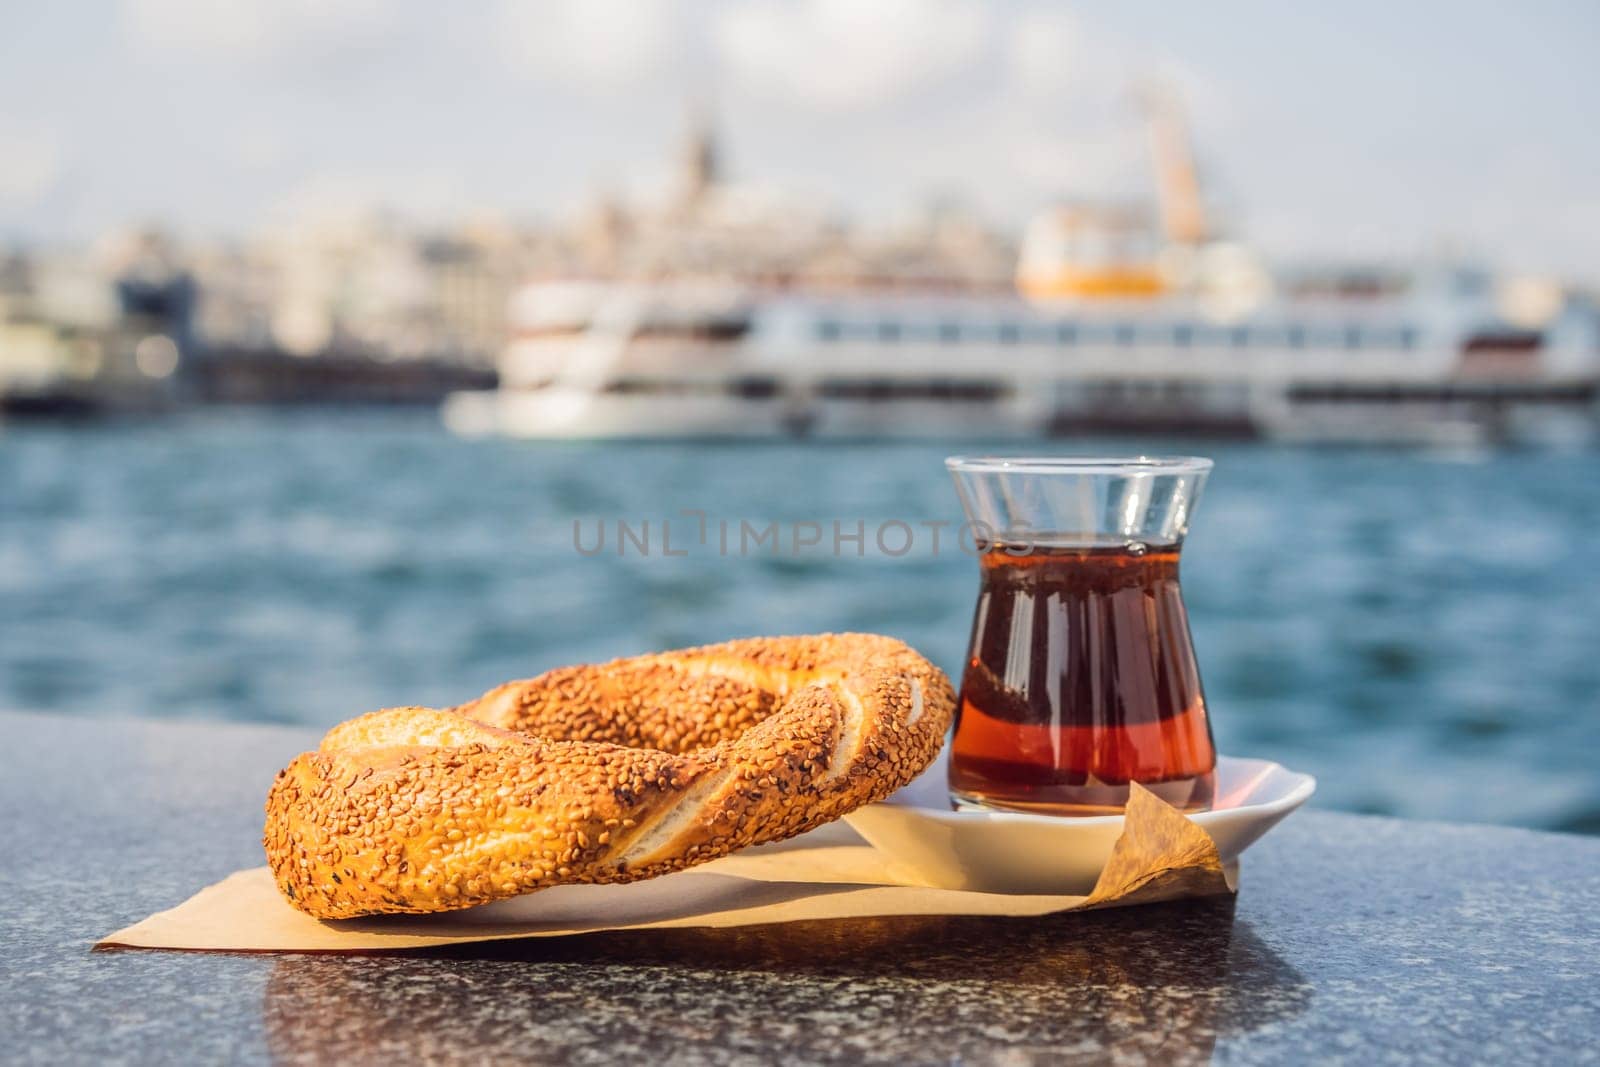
(1081,675)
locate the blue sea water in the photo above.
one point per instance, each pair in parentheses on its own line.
(1419,631)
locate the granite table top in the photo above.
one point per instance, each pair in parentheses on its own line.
(1353,939)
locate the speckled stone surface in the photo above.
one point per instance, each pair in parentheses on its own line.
(1353,939)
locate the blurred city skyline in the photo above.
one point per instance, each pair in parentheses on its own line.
(1363,132)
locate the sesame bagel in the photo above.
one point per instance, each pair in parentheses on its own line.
(606,773)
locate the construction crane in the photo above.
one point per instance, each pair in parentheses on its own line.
(1183,216)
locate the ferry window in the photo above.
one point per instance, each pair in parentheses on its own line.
(1239,336)
(726,329)
(828,330)
(1066,333)
(888,331)
(754,387)
(949,332)
(1009,333)
(1296,336)
(878,390)
(1183,335)
(1408,337)
(1126,334)
(1352,337)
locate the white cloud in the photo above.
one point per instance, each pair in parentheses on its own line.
(248,29)
(256,148)
(840,54)
(1044,52)
(1058,66)
(1066,111)
(30,163)
(593,45)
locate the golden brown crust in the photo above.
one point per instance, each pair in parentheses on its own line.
(607,773)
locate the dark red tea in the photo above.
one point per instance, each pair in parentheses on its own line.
(1081,678)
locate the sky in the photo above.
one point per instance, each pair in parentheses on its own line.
(1359,129)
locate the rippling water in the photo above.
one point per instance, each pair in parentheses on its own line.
(1418,631)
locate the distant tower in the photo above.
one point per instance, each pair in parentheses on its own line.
(699,164)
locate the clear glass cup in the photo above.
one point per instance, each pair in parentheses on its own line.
(1081,675)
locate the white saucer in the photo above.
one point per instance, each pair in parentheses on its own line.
(1012,852)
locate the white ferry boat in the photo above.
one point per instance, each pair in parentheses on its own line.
(1429,361)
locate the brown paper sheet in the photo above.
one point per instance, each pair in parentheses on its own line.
(1160,856)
